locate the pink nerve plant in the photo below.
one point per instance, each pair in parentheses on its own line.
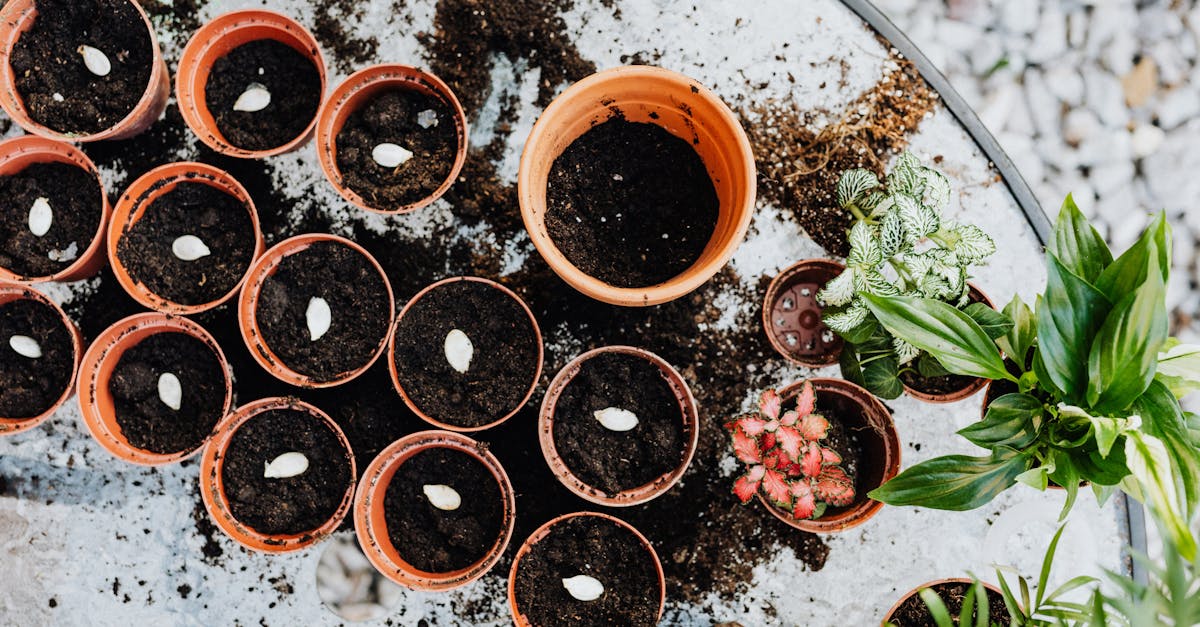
(785,460)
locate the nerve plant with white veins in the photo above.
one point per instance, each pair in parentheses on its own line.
(899,246)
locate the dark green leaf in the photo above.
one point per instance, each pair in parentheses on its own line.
(954,482)
(1012,420)
(1101,470)
(1044,382)
(862,332)
(1069,315)
(1020,338)
(1077,245)
(1129,270)
(994,323)
(1125,353)
(881,377)
(1163,419)
(929,367)
(1066,476)
(851,369)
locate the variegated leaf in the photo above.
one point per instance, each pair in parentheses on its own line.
(918,219)
(883,204)
(747,484)
(875,283)
(905,352)
(904,177)
(854,186)
(973,244)
(805,503)
(746,448)
(864,247)
(937,188)
(806,400)
(846,319)
(776,488)
(813,427)
(891,235)
(840,290)
(790,441)
(873,204)
(811,461)
(769,404)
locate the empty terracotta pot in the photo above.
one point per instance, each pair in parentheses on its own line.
(96,403)
(18,16)
(967,390)
(212,486)
(792,315)
(681,106)
(215,40)
(688,414)
(911,593)
(880,460)
(141,195)
(355,92)
(371,525)
(21,152)
(10,292)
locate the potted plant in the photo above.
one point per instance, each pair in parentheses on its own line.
(618,426)
(901,247)
(316,310)
(812,470)
(39,357)
(636,185)
(183,238)
(153,387)
(58,233)
(586,569)
(459,370)
(82,71)
(278,475)
(250,84)
(392,138)
(792,314)
(435,511)
(949,602)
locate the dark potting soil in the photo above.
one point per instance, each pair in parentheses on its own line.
(219,219)
(630,204)
(392,117)
(435,540)
(46,61)
(614,461)
(145,420)
(357,297)
(914,613)
(599,548)
(290,76)
(502,369)
(28,387)
(290,505)
(76,206)
(945,384)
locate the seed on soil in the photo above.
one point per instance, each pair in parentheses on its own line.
(390,155)
(96,61)
(170,392)
(459,350)
(584,587)
(255,98)
(40,217)
(286,465)
(427,118)
(25,346)
(616,419)
(442,497)
(189,248)
(70,253)
(319,318)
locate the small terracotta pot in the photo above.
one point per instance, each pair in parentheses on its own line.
(248,310)
(689,414)
(911,593)
(355,92)
(13,291)
(396,375)
(977,384)
(370,518)
(792,315)
(96,403)
(880,461)
(212,484)
(684,108)
(21,152)
(215,40)
(141,195)
(519,618)
(18,16)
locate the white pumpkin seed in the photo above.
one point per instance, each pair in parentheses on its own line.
(40,217)
(459,350)
(25,346)
(427,118)
(583,587)
(96,61)
(442,497)
(286,465)
(390,155)
(170,392)
(616,419)
(189,248)
(255,98)
(319,318)
(70,253)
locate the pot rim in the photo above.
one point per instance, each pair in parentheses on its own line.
(777,284)
(929,584)
(10,291)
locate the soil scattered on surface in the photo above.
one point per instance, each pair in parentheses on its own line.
(944,384)
(75,204)
(914,613)
(330,21)
(28,387)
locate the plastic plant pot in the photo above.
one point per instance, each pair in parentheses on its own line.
(684,108)
(937,582)
(967,390)
(10,292)
(792,315)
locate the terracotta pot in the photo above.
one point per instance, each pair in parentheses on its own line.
(792,315)
(879,463)
(544,530)
(18,16)
(141,195)
(911,593)
(967,391)
(371,525)
(13,291)
(689,414)
(215,40)
(248,310)
(21,152)
(355,92)
(212,485)
(681,106)
(396,375)
(96,403)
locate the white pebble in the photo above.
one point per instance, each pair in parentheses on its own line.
(427,118)
(319,318)
(189,248)
(286,465)
(391,155)
(170,392)
(70,253)
(1146,139)
(459,350)
(442,497)
(57,97)
(255,98)
(583,587)
(40,217)
(96,61)
(616,419)
(25,346)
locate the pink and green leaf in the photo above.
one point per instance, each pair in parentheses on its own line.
(747,484)
(746,448)
(751,424)
(775,487)
(807,399)
(789,418)
(804,501)
(830,456)
(834,487)
(814,427)
(811,461)
(770,404)
(790,441)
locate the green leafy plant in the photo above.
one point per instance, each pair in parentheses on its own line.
(899,247)
(974,611)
